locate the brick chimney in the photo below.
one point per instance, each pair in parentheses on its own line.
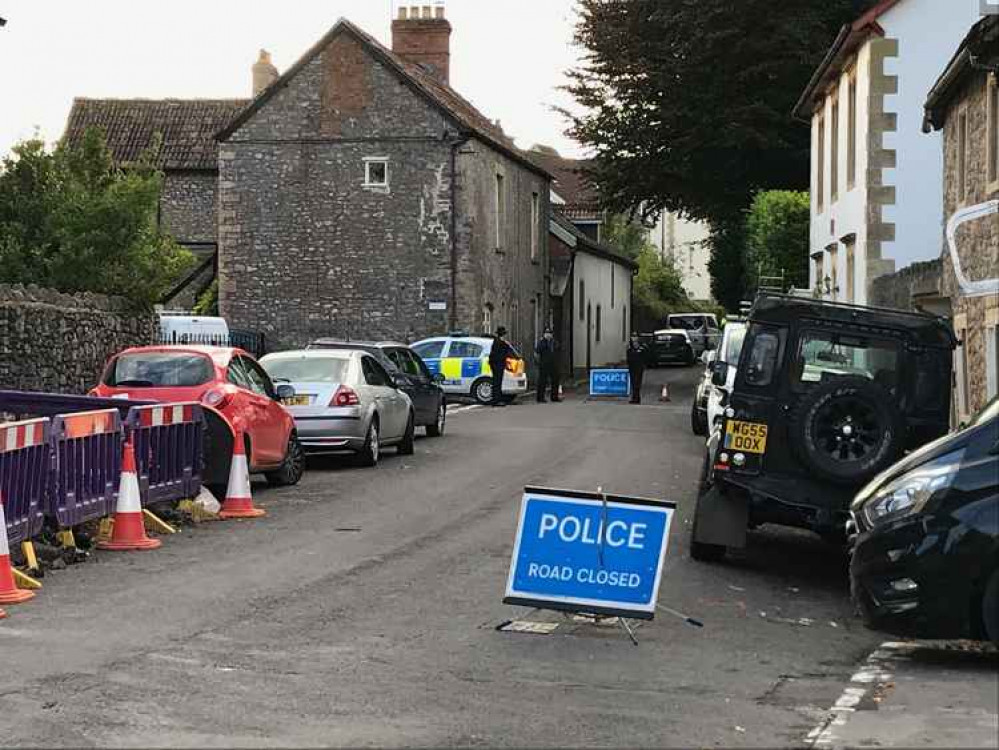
(264,72)
(422,35)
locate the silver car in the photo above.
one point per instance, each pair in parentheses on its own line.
(344,401)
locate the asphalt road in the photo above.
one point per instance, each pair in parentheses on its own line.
(363,611)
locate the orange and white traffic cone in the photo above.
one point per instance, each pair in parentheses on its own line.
(129,525)
(9,592)
(238,498)
(665,394)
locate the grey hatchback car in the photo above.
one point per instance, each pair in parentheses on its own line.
(345,401)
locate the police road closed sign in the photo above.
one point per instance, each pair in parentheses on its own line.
(576,552)
(610,383)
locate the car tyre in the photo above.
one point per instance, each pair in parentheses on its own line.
(482,390)
(990,608)
(818,424)
(440,421)
(698,421)
(407,447)
(371,451)
(292,469)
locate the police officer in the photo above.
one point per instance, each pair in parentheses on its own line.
(636,367)
(546,355)
(498,355)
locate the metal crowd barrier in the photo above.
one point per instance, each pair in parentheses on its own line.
(87,449)
(25,476)
(168,444)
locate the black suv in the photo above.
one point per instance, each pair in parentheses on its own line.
(422,387)
(826,396)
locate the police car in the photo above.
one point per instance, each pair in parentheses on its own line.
(463,361)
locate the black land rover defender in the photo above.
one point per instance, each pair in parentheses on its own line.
(826,396)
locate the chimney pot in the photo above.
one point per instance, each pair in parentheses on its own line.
(264,73)
(422,36)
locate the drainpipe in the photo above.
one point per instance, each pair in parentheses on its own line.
(970,288)
(456,143)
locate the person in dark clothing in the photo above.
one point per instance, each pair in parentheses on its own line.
(636,367)
(546,354)
(498,355)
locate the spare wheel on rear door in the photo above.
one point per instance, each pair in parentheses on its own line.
(847,430)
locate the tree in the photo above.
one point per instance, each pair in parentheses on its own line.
(686,105)
(777,236)
(72,221)
(629,237)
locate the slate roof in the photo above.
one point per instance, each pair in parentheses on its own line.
(467,116)
(588,245)
(979,50)
(188,127)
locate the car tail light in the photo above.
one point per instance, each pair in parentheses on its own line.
(345,396)
(216,398)
(515,365)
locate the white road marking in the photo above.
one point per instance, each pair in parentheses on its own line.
(875,674)
(462,409)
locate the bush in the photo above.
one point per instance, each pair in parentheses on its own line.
(72,221)
(777,231)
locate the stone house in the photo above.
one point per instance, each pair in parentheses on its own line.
(876,178)
(963,105)
(355,195)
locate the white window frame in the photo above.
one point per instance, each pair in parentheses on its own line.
(961,374)
(369,161)
(992,131)
(500,200)
(991,353)
(963,132)
(535,221)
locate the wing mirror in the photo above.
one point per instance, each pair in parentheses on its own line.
(399,380)
(719,373)
(284,391)
(439,378)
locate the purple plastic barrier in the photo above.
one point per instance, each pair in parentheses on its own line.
(25,475)
(87,450)
(168,450)
(51,404)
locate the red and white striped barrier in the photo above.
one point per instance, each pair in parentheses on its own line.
(19,435)
(157,416)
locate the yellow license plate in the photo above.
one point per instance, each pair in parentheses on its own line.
(298,401)
(748,437)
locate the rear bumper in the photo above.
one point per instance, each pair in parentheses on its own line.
(514,384)
(330,435)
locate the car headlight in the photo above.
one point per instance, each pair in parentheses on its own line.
(910,492)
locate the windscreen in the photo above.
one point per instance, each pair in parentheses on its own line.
(160,370)
(307,370)
(733,347)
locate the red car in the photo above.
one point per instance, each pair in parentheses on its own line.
(227,380)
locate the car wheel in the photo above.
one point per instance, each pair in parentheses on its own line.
(437,428)
(482,390)
(371,451)
(990,609)
(847,430)
(406,447)
(292,469)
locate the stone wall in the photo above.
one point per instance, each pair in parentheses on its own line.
(901,290)
(188,210)
(976,320)
(58,343)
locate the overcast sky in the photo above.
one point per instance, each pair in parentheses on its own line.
(507,56)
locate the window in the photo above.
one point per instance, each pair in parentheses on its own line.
(833,251)
(624,323)
(763,358)
(376,172)
(834,152)
(613,284)
(535,220)
(851,133)
(236,375)
(851,268)
(405,362)
(599,321)
(500,212)
(464,350)
(961,395)
(160,369)
(582,299)
(962,158)
(487,319)
(733,348)
(374,374)
(820,164)
(824,356)
(309,369)
(819,260)
(260,382)
(991,353)
(993,130)
(430,349)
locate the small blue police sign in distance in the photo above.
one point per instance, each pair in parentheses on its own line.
(584,552)
(610,383)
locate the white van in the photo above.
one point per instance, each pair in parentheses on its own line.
(183,328)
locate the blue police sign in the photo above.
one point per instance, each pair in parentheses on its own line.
(610,383)
(584,552)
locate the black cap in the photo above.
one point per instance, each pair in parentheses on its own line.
(501,331)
